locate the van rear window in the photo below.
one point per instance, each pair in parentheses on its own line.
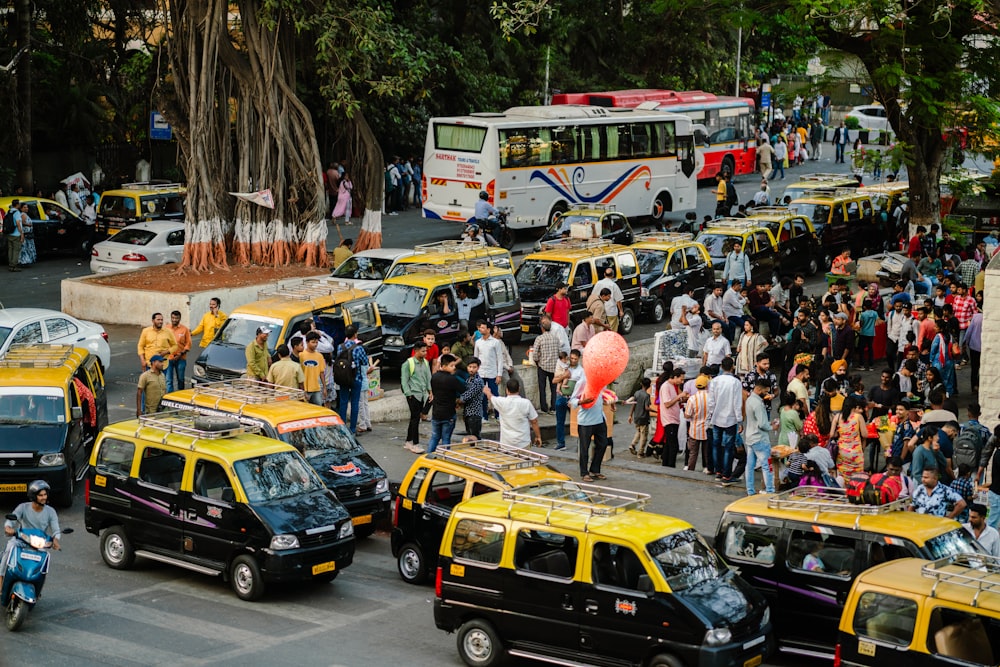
(467,138)
(478,541)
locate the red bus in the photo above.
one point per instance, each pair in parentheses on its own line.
(728,121)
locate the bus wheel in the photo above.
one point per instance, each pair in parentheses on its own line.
(556,213)
(661,205)
(729,163)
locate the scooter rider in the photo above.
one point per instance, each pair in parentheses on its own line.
(36,514)
(484,209)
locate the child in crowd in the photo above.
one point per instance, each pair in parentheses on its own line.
(472,399)
(639,416)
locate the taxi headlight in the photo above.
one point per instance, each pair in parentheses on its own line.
(280,542)
(718,636)
(394,341)
(346,530)
(199,370)
(382,486)
(766,618)
(51,460)
(643,291)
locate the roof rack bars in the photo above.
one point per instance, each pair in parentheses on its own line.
(822,500)
(982,573)
(36,355)
(489,456)
(587,500)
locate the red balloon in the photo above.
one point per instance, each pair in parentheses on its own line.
(604,359)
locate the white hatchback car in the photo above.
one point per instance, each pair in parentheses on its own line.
(37,325)
(367,269)
(870,116)
(138,246)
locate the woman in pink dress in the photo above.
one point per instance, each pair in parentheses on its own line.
(344,203)
(851,432)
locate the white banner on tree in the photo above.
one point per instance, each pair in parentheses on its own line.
(261,197)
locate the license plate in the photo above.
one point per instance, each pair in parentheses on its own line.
(329,566)
(13,488)
(104,269)
(753,662)
(361,520)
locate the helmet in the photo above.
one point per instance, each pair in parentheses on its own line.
(37,486)
(484,195)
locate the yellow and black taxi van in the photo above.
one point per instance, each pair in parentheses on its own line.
(843,218)
(577,574)
(914,612)
(426,297)
(53,403)
(450,251)
(798,246)
(600,220)
(670,263)
(319,434)
(441,479)
(819,180)
(208,495)
(755,239)
(285,310)
(139,202)
(578,264)
(803,548)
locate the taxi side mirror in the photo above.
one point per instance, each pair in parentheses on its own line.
(228,495)
(645,584)
(76,412)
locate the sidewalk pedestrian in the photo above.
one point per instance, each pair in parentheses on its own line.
(546,355)
(285,372)
(518,418)
(415,381)
(152,386)
(696,412)
(155,340)
(472,399)
(178,360)
(593,430)
(445,392)
(210,323)
(491,360)
(757,436)
(671,399)
(566,382)
(726,409)
(314,366)
(639,417)
(350,396)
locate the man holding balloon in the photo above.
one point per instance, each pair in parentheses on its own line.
(604,359)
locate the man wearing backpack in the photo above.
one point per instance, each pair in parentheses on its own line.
(350,371)
(13,232)
(971,440)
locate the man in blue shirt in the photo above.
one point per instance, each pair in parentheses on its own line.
(352,395)
(932,497)
(591,427)
(484,209)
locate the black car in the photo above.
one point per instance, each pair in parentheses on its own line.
(799,248)
(667,268)
(54,228)
(605,223)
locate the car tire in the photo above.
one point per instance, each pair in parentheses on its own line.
(245,578)
(813,268)
(214,424)
(658,311)
(626,322)
(479,645)
(116,548)
(411,565)
(665,660)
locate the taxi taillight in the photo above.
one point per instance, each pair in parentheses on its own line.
(437,582)
(395,512)
(86,492)
(836,655)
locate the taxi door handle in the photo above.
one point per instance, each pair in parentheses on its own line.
(567,602)
(591,607)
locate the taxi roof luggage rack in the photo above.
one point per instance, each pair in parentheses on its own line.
(983,573)
(489,455)
(573,244)
(36,355)
(822,499)
(185,422)
(607,208)
(306,290)
(831,192)
(449,245)
(586,499)
(247,392)
(451,268)
(772,210)
(734,223)
(664,237)
(825,176)
(150,185)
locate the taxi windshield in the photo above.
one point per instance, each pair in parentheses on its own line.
(321,440)
(537,272)
(405,300)
(22,405)
(276,476)
(651,261)
(958,541)
(241,331)
(363,268)
(686,560)
(818,213)
(718,245)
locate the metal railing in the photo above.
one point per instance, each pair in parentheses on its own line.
(36,355)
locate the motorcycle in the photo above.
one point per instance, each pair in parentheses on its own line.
(24,573)
(496,227)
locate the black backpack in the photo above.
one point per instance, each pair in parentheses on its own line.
(732,199)
(344,366)
(968,447)
(8,223)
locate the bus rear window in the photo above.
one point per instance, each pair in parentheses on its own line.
(467,138)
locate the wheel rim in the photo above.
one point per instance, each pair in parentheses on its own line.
(657,209)
(658,311)
(478,645)
(813,267)
(409,564)
(243,578)
(627,321)
(114,548)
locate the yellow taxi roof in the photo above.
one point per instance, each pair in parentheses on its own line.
(571,252)
(887,188)
(907,575)
(909,525)
(811,196)
(273,412)
(5,201)
(437,253)
(775,213)
(234,448)
(642,527)
(735,230)
(54,373)
(825,180)
(430,279)
(138,190)
(284,308)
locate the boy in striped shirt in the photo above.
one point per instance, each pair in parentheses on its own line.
(696,412)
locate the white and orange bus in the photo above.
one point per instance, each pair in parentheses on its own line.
(728,121)
(539,161)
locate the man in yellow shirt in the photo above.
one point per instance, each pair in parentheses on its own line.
(156,340)
(313,365)
(285,372)
(721,210)
(210,323)
(258,360)
(343,252)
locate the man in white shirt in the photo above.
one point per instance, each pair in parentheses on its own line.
(677,306)
(464,303)
(559,331)
(489,351)
(725,409)
(691,319)
(711,310)
(518,418)
(613,306)
(988,538)
(732,307)
(73,199)
(716,347)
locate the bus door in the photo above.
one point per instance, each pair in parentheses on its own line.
(686,155)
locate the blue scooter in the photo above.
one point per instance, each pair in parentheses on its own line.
(24,573)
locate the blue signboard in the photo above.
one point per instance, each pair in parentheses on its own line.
(159,128)
(765,100)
